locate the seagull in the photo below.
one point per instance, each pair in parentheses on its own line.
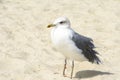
(71,44)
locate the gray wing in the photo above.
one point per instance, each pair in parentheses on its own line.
(87,47)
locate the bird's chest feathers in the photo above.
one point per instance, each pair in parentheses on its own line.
(60,37)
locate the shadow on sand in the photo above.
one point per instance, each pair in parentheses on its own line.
(90,73)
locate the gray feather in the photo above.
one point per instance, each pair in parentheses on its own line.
(87,47)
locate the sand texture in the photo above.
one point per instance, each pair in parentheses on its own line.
(26,51)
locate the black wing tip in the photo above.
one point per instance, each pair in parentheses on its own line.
(93,58)
(97,61)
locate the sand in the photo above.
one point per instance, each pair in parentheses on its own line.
(26,51)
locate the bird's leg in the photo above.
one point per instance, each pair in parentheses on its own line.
(64,68)
(72,69)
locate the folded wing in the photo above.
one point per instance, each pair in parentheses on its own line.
(87,47)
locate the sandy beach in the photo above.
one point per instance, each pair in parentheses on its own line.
(26,51)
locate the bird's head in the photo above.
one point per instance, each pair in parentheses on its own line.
(62,22)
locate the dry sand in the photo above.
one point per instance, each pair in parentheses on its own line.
(26,51)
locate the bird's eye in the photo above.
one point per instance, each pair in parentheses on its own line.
(62,22)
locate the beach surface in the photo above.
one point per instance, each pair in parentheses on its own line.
(26,51)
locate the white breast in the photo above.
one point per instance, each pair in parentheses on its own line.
(61,38)
(59,35)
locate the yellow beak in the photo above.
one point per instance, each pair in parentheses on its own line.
(50,25)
